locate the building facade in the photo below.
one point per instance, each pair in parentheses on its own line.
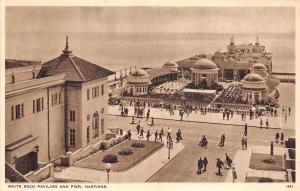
(60,108)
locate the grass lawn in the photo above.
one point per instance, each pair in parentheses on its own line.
(256,179)
(124,161)
(260,161)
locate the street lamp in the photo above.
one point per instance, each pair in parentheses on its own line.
(169,142)
(107,167)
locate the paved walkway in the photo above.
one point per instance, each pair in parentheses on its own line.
(141,172)
(210,117)
(242,160)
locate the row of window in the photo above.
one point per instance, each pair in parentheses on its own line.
(141,89)
(95,92)
(17,111)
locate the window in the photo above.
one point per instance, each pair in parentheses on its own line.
(56,98)
(72,115)
(95,123)
(102,126)
(72,137)
(88,134)
(17,111)
(102,89)
(88,94)
(95,92)
(38,105)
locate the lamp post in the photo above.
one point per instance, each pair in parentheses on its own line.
(36,150)
(169,142)
(107,167)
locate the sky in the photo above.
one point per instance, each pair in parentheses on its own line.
(150,19)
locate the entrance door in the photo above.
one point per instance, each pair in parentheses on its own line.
(27,163)
(242,74)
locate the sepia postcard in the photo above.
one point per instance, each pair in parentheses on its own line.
(193,95)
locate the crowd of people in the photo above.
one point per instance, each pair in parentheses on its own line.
(232,94)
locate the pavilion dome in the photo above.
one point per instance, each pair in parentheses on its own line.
(252,77)
(259,66)
(170,64)
(139,73)
(205,64)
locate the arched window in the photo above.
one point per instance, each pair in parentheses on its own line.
(95,124)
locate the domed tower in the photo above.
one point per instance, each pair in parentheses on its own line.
(173,66)
(138,82)
(204,70)
(254,89)
(260,69)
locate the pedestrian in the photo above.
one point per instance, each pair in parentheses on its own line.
(148,114)
(155,135)
(281,137)
(138,127)
(219,164)
(277,137)
(129,135)
(246,129)
(178,136)
(267,123)
(234,175)
(200,165)
(224,115)
(246,142)
(243,143)
(272,148)
(289,110)
(142,132)
(148,134)
(228,160)
(223,140)
(221,144)
(205,163)
(261,122)
(228,113)
(160,136)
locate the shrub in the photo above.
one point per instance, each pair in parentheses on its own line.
(110,158)
(138,145)
(126,151)
(103,146)
(265,180)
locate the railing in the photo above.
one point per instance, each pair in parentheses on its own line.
(41,174)
(285,77)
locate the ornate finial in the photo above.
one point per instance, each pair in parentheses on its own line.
(232,41)
(257,41)
(66,51)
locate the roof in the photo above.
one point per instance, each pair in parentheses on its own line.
(259,66)
(155,72)
(12,63)
(75,68)
(187,63)
(139,73)
(252,77)
(187,90)
(205,64)
(170,64)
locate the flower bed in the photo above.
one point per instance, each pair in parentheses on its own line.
(126,151)
(110,158)
(138,145)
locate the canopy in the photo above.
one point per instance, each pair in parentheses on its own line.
(186,90)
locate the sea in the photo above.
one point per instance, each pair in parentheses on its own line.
(117,51)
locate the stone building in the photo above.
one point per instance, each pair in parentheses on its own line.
(138,82)
(50,109)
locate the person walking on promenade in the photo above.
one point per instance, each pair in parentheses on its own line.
(200,165)
(148,134)
(178,136)
(160,135)
(138,128)
(246,129)
(261,122)
(228,113)
(205,163)
(142,133)
(222,141)
(228,160)
(129,135)
(277,137)
(155,135)
(246,142)
(224,114)
(148,114)
(267,123)
(234,175)
(219,164)
(289,110)
(243,143)
(281,137)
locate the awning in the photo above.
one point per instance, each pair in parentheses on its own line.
(186,90)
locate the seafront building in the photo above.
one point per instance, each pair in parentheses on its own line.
(53,108)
